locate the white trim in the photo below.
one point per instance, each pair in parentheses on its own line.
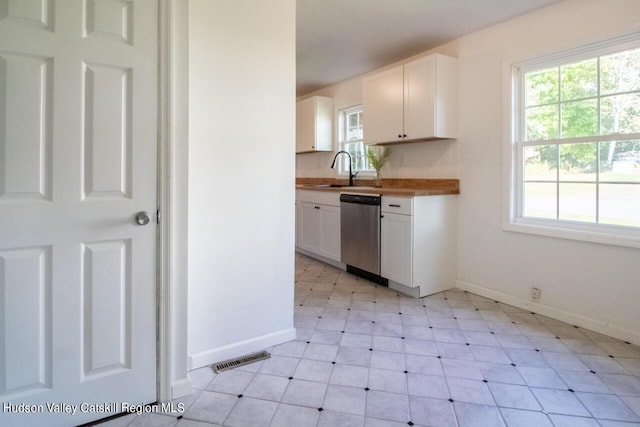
(173,381)
(513,135)
(181,388)
(326,260)
(163,344)
(240,348)
(629,335)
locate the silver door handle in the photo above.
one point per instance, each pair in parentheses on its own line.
(142,218)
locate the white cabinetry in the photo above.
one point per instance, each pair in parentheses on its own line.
(314,124)
(418,243)
(411,102)
(318,223)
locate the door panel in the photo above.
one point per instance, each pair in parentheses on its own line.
(78,150)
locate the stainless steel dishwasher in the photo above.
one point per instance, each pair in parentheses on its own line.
(360,235)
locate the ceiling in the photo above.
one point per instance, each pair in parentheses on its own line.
(339,39)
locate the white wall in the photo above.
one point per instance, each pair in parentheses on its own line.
(592,285)
(241,176)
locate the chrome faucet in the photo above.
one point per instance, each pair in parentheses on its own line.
(333,165)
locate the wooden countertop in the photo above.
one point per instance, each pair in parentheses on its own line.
(390,187)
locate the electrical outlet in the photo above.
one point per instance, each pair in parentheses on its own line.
(536,293)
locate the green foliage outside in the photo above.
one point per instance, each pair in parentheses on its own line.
(561,102)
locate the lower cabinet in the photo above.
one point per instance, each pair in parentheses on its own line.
(397,248)
(318,223)
(418,238)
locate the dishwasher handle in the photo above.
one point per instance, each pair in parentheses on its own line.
(361,199)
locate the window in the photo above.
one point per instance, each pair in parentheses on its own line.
(351,141)
(576,142)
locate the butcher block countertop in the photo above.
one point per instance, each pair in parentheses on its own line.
(390,186)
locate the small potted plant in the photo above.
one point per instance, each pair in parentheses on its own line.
(377,157)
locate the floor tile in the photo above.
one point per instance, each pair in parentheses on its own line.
(431,412)
(387,406)
(541,377)
(232,382)
(584,381)
(251,412)
(559,402)
(325,352)
(569,421)
(521,418)
(345,399)
(338,419)
(279,365)
(305,393)
(268,387)
(470,391)
(513,396)
(349,375)
(427,386)
(354,356)
(291,348)
(420,347)
(289,415)
(501,373)
(386,380)
(461,369)
(607,406)
(423,365)
(211,407)
(375,422)
(388,360)
(633,403)
(153,420)
(624,385)
(313,370)
(191,423)
(473,415)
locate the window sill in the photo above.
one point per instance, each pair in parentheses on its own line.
(612,236)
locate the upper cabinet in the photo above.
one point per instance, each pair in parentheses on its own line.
(314,124)
(412,102)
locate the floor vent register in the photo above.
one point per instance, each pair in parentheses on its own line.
(239,361)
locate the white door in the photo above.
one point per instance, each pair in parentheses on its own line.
(78,116)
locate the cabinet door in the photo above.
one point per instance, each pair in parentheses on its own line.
(309,227)
(330,232)
(382,107)
(305,125)
(419,98)
(397,248)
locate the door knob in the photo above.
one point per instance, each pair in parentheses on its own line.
(142,218)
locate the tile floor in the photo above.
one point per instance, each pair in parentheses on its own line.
(366,356)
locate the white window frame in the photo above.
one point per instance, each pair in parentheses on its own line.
(343,169)
(513,219)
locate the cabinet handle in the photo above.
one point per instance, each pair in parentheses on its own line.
(394,206)
(316,207)
(399,136)
(381,216)
(404,136)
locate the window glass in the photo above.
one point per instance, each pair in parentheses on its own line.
(351,141)
(579,139)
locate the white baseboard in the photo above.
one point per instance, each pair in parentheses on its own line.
(565,316)
(326,260)
(180,388)
(240,348)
